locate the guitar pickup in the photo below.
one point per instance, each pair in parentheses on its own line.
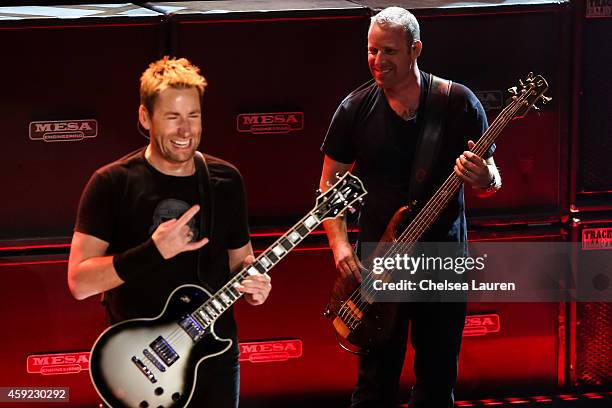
(164,351)
(144,369)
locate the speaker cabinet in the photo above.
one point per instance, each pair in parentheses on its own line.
(488,46)
(594,173)
(508,348)
(70,105)
(591,329)
(276,73)
(47,334)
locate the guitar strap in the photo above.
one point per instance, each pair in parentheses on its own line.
(205,193)
(434,121)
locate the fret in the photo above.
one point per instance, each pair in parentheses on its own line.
(286,244)
(260,268)
(311,222)
(198,319)
(218,305)
(278,250)
(211,311)
(226,299)
(204,316)
(302,230)
(265,262)
(294,237)
(233,292)
(272,257)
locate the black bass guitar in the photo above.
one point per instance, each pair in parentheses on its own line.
(153,362)
(355,316)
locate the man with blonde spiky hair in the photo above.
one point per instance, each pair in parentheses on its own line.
(167,215)
(379,129)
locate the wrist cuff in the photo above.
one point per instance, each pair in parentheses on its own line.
(137,262)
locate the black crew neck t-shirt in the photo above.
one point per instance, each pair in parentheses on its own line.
(125,201)
(366,131)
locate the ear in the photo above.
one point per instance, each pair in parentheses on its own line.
(417,46)
(144,118)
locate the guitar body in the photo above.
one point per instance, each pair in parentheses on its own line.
(359,321)
(131,367)
(154,362)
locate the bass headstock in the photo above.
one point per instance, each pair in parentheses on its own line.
(530,90)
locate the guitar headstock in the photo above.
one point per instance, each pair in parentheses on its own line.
(339,197)
(529,91)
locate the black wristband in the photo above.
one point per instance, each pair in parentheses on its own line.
(137,262)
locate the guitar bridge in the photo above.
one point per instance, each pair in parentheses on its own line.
(144,369)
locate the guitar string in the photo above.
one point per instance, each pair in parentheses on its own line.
(451,183)
(227,287)
(178,333)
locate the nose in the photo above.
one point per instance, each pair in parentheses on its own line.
(378,59)
(183,127)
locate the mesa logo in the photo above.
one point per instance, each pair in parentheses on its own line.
(267,351)
(270,123)
(596,238)
(481,325)
(64,130)
(58,363)
(490,99)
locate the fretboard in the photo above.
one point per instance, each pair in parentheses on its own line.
(228,294)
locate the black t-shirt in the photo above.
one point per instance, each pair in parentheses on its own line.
(366,131)
(125,201)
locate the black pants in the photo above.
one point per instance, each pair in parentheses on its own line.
(435,334)
(218,383)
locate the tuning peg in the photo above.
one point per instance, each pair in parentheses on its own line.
(522,83)
(530,77)
(328,184)
(546,99)
(318,191)
(351,209)
(338,175)
(513,90)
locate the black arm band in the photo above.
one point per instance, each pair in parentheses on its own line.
(137,262)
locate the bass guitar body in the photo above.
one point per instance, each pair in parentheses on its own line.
(355,316)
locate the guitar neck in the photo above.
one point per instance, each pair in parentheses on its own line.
(228,294)
(438,202)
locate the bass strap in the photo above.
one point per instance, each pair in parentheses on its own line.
(434,121)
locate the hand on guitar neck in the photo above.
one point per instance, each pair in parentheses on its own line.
(481,174)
